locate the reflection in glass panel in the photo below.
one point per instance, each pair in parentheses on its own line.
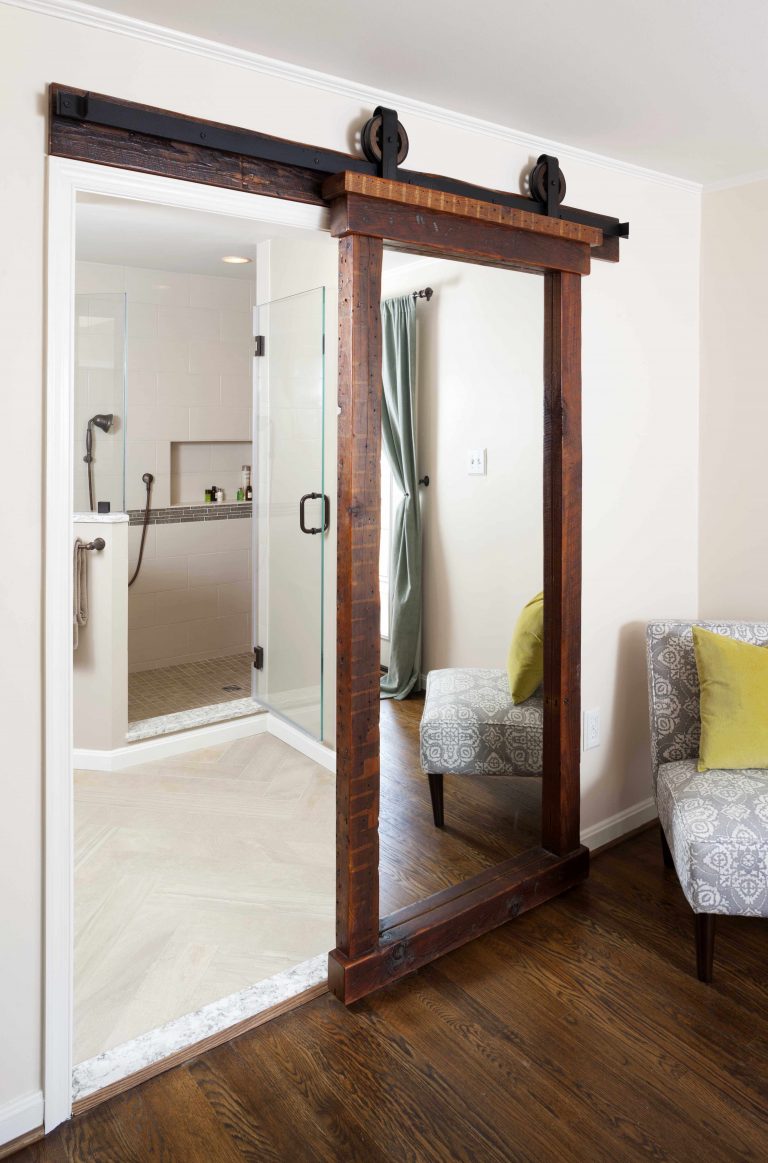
(99,434)
(473,369)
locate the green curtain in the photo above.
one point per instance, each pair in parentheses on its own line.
(398,424)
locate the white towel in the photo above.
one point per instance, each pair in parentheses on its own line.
(80,590)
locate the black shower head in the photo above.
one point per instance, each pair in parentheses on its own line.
(102,421)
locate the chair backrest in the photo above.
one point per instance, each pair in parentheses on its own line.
(673,684)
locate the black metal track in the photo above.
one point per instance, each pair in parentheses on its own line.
(168,127)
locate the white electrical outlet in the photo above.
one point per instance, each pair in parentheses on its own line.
(476,462)
(591,729)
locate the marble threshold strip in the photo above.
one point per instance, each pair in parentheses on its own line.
(115,1070)
(194,717)
(178,514)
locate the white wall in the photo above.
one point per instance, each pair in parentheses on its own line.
(100,676)
(479,366)
(192,599)
(641,377)
(188,376)
(734,403)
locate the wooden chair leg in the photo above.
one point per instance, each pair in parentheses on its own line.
(665,850)
(705,944)
(436,792)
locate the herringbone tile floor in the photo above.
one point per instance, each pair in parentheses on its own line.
(196,877)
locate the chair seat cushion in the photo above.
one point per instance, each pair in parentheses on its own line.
(716,824)
(470,726)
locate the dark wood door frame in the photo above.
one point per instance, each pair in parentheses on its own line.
(365,211)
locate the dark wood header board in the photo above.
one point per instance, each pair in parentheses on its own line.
(366,211)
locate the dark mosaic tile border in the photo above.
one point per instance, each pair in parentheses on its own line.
(179,514)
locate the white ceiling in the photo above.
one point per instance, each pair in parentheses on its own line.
(675,85)
(125,232)
(141,234)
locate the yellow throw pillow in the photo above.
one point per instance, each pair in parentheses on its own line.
(525,665)
(733,677)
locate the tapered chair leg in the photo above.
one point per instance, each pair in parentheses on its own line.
(665,850)
(705,944)
(436,792)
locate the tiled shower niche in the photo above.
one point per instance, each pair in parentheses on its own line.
(196,465)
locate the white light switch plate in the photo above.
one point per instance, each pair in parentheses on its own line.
(476,462)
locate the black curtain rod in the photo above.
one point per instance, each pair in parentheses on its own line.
(426,293)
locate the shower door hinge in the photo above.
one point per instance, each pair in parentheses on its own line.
(260,344)
(258,657)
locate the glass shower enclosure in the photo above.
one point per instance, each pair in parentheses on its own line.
(291,509)
(100,395)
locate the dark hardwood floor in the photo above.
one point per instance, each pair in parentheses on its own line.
(576,1032)
(487,819)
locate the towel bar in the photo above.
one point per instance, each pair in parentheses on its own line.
(98,544)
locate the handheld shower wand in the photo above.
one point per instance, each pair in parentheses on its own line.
(104,421)
(148,482)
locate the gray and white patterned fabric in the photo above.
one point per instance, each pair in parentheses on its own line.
(673,684)
(716,822)
(470,726)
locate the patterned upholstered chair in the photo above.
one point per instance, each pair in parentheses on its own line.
(470,726)
(714,824)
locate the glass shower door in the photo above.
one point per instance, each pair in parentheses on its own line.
(291,511)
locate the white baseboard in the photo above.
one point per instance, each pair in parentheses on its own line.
(166,746)
(617,826)
(297,739)
(20,1116)
(213,735)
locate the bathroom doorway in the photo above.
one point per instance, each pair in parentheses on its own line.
(199,817)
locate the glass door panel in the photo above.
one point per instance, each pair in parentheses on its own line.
(291,511)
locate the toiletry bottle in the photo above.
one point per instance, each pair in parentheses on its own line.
(241,494)
(208,496)
(245,477)
(249,492)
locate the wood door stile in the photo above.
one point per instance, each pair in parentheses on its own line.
(562,561)
(358,607)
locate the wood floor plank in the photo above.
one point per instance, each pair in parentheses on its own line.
(578,1031)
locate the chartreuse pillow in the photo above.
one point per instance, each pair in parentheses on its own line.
(733,677)
(525,664)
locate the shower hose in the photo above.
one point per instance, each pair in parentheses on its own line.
(148,481)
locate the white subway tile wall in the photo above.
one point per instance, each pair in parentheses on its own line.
(192,599)
(188,358)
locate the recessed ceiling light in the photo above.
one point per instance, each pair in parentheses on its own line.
(235,258)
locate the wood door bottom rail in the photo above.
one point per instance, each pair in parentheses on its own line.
(410,939)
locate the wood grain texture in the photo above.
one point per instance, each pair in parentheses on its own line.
(457,206)
(578,1033)
(562,562)
(442,234)
(188,1053)
(453,917)
(357,601)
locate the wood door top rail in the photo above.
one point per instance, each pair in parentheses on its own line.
(419,197)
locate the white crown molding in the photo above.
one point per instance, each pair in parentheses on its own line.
(106,21)
(733,183)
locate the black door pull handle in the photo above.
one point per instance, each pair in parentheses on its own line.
(326,512)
